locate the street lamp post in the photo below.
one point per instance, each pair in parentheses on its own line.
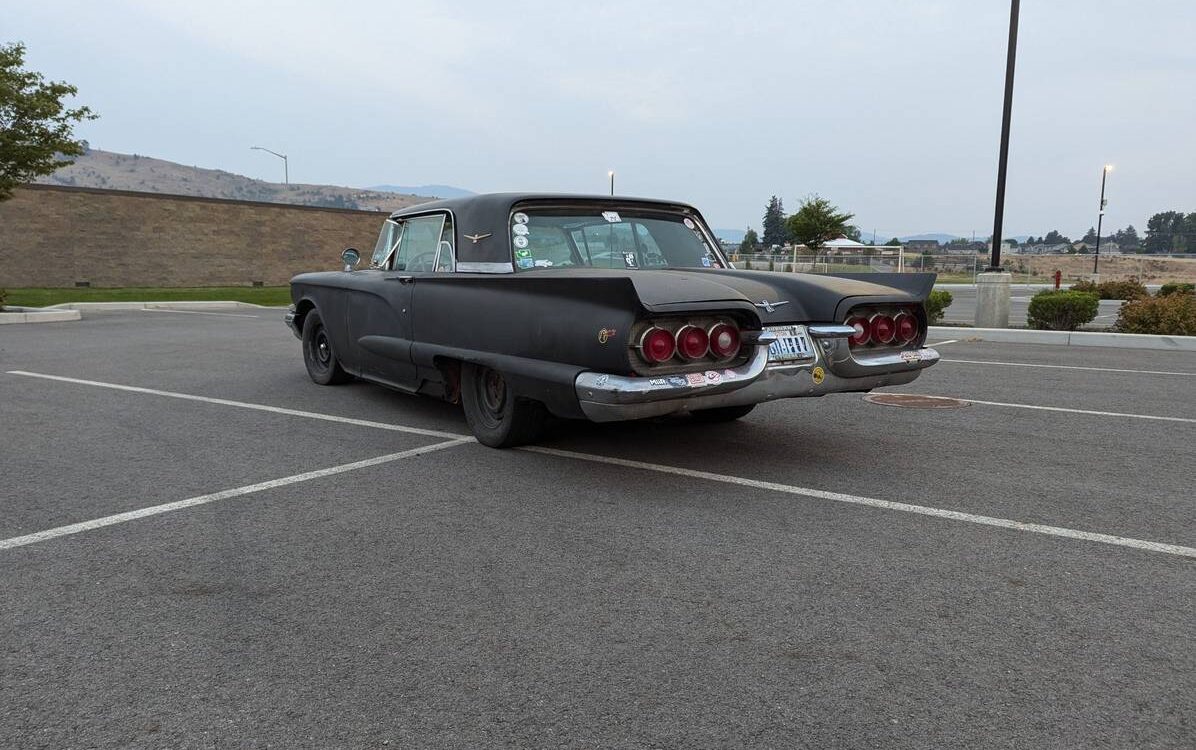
(1104,174)
(1003,159)
(286,170)
(611,175)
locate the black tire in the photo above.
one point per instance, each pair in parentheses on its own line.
(322,365)
(723,413)
(496,417)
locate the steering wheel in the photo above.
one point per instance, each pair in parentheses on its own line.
(422,261)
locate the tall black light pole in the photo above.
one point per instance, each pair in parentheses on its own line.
(1100,216)
(611,175)
(1004,158)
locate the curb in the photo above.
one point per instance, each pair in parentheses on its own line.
(181,305)
(1069,338)
(48,316)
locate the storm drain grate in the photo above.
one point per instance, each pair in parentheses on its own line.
(915,401)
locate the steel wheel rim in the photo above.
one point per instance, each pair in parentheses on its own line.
(321,351)
(491,391)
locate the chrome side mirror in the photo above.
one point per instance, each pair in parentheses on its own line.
(351,258)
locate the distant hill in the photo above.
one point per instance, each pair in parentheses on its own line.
(942,237)
(115,171)
(438,191)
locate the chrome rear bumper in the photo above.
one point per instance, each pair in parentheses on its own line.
(611,398)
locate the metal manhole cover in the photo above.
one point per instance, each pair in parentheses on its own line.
(915,401)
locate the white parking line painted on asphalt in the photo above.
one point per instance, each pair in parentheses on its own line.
(191,502)
(198,312)
(1064,409)
(953,515)
(242,405)
(944,343)
(1065,367)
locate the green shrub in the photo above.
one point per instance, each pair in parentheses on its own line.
(1170,315)
(1062,310)
(1128,289)
(3,296)
(1167,290)
(938,301)
(1084,285)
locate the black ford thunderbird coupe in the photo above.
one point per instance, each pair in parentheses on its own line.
(595,307)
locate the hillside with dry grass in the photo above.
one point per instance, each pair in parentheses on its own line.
(115,171)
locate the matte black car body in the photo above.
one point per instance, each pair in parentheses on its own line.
(555,333)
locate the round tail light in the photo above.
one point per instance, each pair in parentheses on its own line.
(724,340)
(863,331)
(692,342)
(883,329)
(657,345)
(907,328)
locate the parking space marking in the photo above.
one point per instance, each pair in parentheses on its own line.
(944,343)
(242,405)
(1068,410)
(191,502)
(953,515)
(199,312)
(1065,367)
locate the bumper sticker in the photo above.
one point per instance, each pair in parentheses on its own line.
(695,379)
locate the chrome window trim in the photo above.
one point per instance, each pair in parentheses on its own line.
(485,267)
(402,222)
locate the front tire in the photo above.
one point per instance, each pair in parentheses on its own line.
(495,415)
(318,356)
(723,413)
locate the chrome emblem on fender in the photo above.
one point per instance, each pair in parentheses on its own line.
(767,306)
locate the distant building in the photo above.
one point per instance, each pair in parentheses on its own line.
(922,246)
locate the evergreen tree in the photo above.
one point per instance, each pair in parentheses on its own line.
(1165,233)
(1089,236)
(750,241)
(774,223)
(817,222)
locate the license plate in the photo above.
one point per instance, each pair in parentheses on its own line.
(792,343)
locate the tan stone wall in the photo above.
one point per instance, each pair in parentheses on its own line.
(56,236)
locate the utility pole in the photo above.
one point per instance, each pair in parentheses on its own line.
(1104,174)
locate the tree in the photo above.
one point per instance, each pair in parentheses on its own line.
(852,232)
(774,223)
(1089,237)
(817,222)
(1165,233)
(36,136)
(750,240)
(894,242)
(1054,238)
(1127,239)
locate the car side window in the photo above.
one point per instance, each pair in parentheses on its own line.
(446,250)
(387,239)
(418,245)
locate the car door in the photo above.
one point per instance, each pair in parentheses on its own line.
(380,319)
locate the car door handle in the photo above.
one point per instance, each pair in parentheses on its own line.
(402,279)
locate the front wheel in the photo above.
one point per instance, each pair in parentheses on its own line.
(723,413)
(496,417)
(322,365)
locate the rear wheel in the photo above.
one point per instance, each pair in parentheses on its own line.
(723,413)
(496,417)
(322,365)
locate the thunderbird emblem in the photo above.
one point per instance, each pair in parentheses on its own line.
(767,306)
(477,237)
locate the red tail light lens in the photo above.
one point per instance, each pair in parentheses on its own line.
(692,342)
(863,331)
(907,328)
(724,340)
(657,345)
(883,329)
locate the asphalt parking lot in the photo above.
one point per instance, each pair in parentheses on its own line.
(342,567)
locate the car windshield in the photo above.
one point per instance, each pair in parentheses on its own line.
(623,239)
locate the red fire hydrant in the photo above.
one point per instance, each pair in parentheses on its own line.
(1058,277)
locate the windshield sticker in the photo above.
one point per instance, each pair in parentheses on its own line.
(525,253)
(706,261)
(689,223)
(520,218)
(543,264)
(630,261)
(520,229)
(611,216)
(520,241)
(525,262)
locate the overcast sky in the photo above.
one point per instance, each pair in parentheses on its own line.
(891,110)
